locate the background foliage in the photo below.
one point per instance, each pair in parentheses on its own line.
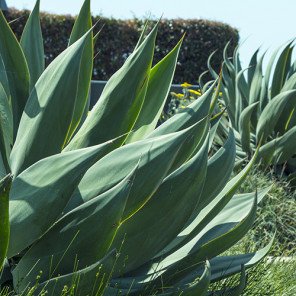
(202,38)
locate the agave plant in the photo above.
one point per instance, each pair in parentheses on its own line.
(103,202)
(261,105)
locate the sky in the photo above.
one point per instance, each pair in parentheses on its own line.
(265,23)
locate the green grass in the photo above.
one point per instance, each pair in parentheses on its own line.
(276,213)
(268,278)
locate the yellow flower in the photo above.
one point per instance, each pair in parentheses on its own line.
(220,93)
(186,85)
(194,92)
(179,96)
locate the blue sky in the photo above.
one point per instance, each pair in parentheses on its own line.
(266,23)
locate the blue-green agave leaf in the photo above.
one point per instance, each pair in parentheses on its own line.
(45,123)
(40,193)
(5,185)
(32,45)
(17,72)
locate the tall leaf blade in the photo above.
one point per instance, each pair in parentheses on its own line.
(224,266)
(4,78)
(245,127)
(5,184)
(220,167)
(165,214)
(281,70)
(213,207)
(6,126)
(32,45)
(16,69)
(82,24)
(159,84)
(272,112)
(280,149)
(224,230)
(122,98)
(45,123)
(256,84)
(252,66)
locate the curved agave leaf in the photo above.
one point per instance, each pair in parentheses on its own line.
(122,98)
(82,25)
(91,226)
(206,86)
(215,98)
(292,70)
(48,184)
(245,127)
(290,83)
(168,270)
(90,280)
(220,167)
(225,266)
(271,114)
(229,92)
(291,122)
(288,116)
(16,69)
(230,66)
(45,122)
(156,157)
(256,85)
(212,71)
(241,101)
(142,36)
(280,149)
(200,80)
(160,80)
(281,70)
(269,68)
(4,79)
(164,215)
(32,45)
(5,184)
(215,123)
(242,82)
(6,126)
(228,227)
(204,215)
(252,66)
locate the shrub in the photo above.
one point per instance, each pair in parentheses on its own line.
(202,38)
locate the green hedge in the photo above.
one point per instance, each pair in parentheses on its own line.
(118,38)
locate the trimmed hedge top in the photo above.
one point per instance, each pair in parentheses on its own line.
(118,38)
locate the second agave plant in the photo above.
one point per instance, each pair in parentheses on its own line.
(261,105)
(105,203)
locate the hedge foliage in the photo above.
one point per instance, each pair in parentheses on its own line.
(118,38)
